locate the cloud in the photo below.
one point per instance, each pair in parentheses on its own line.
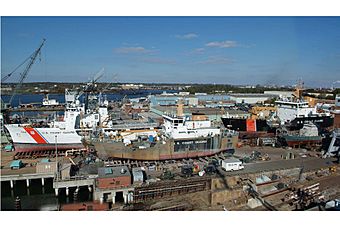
(187,36)
(129,50)
(25,35)
(222,44)
(216,60)
(195,51)
(157,60)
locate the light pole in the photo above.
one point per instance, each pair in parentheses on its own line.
(56,156)
(56,163)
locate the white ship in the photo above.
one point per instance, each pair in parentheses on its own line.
(65,134)
(27,139)
(295,112)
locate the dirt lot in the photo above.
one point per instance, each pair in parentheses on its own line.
(273,152)
(7,158)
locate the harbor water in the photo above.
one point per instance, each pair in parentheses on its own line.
(38,98)
(37,197)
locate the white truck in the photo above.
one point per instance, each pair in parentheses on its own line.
(231,164)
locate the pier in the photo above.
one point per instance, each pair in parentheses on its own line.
(26,177)
(73,183)
(36,109)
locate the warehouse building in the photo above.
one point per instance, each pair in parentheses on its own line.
(213,114)
(251,98)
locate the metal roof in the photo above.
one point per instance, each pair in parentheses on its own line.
(16,163)
(105,172)
(45,160)
(231,160)
(108,171)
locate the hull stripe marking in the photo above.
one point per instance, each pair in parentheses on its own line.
(42,136)
(35,135)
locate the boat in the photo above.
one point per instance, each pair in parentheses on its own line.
(247,124)
(295,112)
(28,139)
(180,137)
(65,134)
(307,136)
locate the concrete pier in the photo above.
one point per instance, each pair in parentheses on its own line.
(27,177)
(76,183)
(125,196)
(113,197)
(112,193)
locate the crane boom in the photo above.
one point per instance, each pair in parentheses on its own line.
(24,74)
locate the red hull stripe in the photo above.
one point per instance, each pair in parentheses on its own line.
(35,135)
(42,136)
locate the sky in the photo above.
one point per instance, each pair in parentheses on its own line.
(221,50)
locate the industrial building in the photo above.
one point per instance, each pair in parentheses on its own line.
(113,177)
(251,98)
(171,100)
(191,100)
(287,94)
(213,114)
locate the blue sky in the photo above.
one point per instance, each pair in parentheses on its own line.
(226,50)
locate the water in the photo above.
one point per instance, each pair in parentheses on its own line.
(37,197)
(37,98)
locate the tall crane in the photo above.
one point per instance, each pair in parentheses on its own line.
(31,59)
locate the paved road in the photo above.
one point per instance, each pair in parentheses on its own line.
(309,164)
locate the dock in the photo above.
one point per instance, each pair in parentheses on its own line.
(26,177)
(73,183)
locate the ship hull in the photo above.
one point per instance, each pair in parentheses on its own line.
(301,141)
(247,125)
(168,151)
(20,147)
(320,121)
(27,139)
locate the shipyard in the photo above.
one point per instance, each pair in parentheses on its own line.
(169,120)
(174,150)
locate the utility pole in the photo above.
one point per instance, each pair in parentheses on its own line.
(56,157)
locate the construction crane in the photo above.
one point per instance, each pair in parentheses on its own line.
(90,86)
(335,82)
(31,59)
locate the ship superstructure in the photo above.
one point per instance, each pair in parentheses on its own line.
(295,112)
(180,137)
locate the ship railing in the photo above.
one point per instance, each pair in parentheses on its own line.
(74,178)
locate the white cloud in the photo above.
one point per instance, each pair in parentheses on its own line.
(216,60)
(195,51)
(128,50)
(187,36)
(222,44)
(158,60)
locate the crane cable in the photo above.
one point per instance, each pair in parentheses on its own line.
(3,79)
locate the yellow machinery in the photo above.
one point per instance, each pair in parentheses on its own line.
(332,169)
(262,111)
